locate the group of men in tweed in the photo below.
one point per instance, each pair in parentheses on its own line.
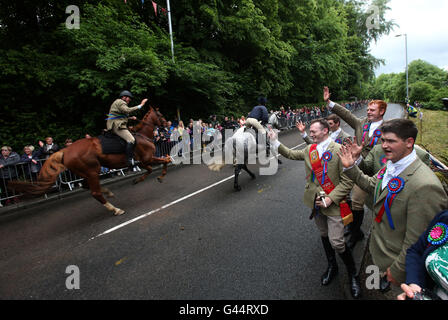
(381,168)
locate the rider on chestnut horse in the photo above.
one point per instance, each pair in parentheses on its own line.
(117,120)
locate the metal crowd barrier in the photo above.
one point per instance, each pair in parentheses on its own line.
(23,171)
(68,181)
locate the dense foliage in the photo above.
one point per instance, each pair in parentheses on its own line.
(428,85)
(60,82)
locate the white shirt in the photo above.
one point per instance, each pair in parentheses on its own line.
(394,169)
(335,134)
(373,125)
(321,147)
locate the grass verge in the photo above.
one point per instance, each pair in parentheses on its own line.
(433,133)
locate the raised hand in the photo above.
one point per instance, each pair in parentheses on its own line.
(143,102)
(327,94)
(272,135)
(346,157)
(354,148)
(300,126)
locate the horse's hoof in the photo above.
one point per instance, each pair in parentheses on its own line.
(135,181)
(118,212)
(237,188)
(253,177)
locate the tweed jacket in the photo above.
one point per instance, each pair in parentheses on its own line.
(357,124)
(120,110)
(412,210)
(342,136)
(342,184)
(376,160)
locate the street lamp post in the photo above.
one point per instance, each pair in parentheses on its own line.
(407,76)
(170,28)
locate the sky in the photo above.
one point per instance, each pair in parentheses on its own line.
(426,24)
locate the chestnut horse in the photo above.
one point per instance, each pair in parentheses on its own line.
(85,158)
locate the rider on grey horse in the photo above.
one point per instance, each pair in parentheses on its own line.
(257,118)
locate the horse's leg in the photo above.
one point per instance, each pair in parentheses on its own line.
(236,186)
(143,177)
(96,192)
(164,162)
(164,171)
(107,192)
(248,171)
(148,168)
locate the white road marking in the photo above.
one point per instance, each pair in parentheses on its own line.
(168,205)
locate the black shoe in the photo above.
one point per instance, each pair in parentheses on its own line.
(353,278)
(332,269)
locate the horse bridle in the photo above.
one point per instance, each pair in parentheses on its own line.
(159,116)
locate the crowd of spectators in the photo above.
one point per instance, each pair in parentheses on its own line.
(27,166)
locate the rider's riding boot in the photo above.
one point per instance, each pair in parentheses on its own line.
(130,155)
(332,269)
(353,277)
(356,233)
(268,146)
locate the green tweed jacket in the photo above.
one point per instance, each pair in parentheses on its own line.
(412,210)
(356,123)
(375,161)
(119,109)
(343,184)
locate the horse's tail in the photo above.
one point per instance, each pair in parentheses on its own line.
(221,163)
(234,150)
(52,167)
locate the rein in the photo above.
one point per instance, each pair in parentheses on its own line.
(146,123)
(144,137)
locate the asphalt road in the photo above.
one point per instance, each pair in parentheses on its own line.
(195,238)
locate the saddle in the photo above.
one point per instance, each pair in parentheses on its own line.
(111,143)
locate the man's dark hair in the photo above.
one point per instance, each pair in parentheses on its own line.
(323,123)
(334,118)
(402,128)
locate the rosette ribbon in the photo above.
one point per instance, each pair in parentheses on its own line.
(326,157)
(376,136)
(394,186)
(365,130)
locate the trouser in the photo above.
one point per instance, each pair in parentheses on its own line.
(125,134)
(333,228)
(252,122)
